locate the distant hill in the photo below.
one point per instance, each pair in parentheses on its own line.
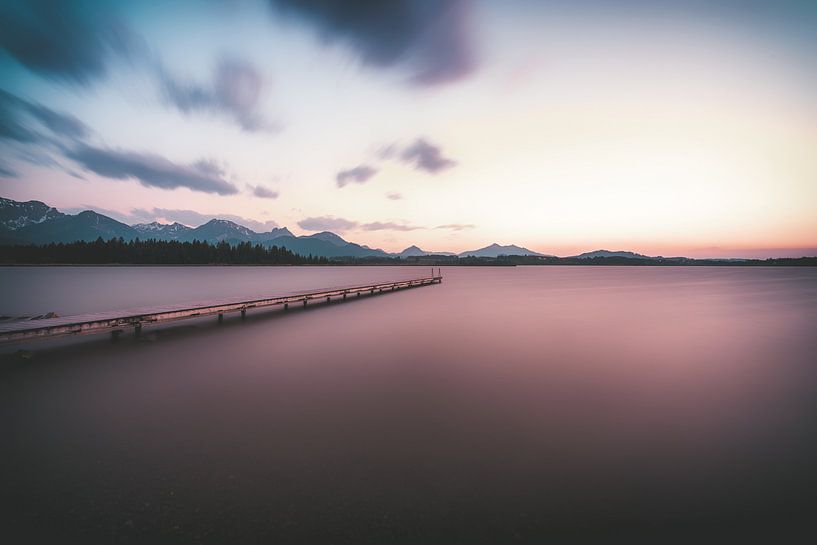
(415,251)
(309,245)
(327,236)
(412,251)
(87,226)
(35,222)
(608,253)
(496,250)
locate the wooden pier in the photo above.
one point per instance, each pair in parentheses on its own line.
(117,321)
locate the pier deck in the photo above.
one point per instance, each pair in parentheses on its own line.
(116,321)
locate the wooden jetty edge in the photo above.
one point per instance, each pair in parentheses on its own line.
(117,321)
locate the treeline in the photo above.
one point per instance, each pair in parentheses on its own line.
(160,252)
(153,252)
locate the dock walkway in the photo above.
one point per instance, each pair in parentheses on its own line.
(116,321)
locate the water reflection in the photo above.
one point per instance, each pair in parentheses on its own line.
(505,405)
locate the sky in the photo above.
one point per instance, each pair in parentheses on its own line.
(666,128)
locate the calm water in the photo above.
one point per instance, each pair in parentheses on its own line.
(507,405)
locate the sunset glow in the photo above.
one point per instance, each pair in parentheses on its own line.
(562,127)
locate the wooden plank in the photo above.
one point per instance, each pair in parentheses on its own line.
(136,317)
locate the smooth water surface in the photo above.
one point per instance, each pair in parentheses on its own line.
(506,405)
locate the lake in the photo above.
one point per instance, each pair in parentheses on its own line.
(505,405)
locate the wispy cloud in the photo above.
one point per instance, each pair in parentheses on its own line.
(152,170)
(331,223)
(359,175)
(235,91)
(394,196)
(22,120)
(388,226)
(456,226)
(432,39)
(327,223)
(263,192)
(7,172)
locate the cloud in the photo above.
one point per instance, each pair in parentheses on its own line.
(12,127)
(235,91)
(388,226)
(394,196)
(426,156)
(194,219)
(17,115)
(59,123)
(431,38)
(69,41)
(31,132)
(263,192)
(326,223)
(359,175)
(7,172)
(151,170)
(331,223)
(456,226)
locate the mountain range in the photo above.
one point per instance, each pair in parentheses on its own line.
(608,253)
(496,250)
(34,222)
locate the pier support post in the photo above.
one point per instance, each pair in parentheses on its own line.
(344,295)
(137,330)
(304,302)
(220,317)
(286,306)
(243,313)
(328,299)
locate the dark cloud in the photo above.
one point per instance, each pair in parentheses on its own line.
(326,223)
(263,192)
(431,37)
(388,226)
(394,196)
(151,170)
(359,175)
(62,39)
(426,156)
(235,91)
(194,219)
(13,125)
(17,115)
(58,123)
(456,226)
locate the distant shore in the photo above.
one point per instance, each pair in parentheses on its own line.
(117,252)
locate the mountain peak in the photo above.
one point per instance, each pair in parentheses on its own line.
(613,253)
(496,250)
(329,236)
(16,215)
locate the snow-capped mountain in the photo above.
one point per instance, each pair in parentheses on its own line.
(161,231)
(16,215)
